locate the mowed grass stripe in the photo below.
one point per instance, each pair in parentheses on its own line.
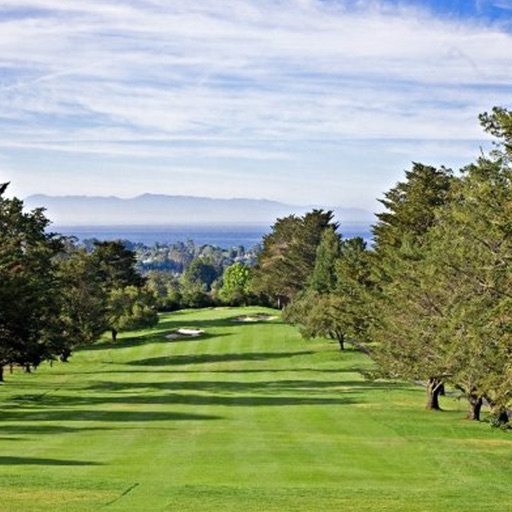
(246,417)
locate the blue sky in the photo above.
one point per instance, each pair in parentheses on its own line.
(302,101)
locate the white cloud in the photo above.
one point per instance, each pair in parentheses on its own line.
(111,78)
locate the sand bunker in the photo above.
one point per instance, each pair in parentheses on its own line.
(184,332)
(258,317)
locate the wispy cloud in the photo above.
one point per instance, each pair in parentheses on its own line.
(111,78)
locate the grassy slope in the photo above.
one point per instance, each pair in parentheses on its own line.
(250,418)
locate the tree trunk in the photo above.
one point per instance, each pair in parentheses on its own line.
(341,341)
(503,417)
(434,388)
(500,416)
(28,369)
(64,357)
(475,406)
(1,373)
(114,335)
(282,301)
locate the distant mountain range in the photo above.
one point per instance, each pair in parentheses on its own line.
(155,209)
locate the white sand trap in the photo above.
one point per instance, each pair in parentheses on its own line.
(185,333)
(259,317)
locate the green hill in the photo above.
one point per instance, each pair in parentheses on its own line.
(244,417)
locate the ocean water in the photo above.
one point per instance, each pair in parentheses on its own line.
(225,235)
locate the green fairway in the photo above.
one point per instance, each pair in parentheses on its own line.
(246,417)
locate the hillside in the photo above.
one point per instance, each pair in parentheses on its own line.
(165,209)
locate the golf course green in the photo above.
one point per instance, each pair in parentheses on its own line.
(246,416)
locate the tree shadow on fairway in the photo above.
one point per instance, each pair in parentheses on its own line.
(105,394)
(83,415)
(212,392)
(192,399)
(22,461)
(192,359)
(44,429)
(269,387)
(229,371)
(255,400)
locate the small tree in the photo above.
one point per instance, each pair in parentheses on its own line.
(334,306)
(129,303)
(82,299)
(131,308)
(236,284)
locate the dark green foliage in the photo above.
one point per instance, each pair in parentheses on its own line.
(399,302)
(202,272)
(129,303)
(131,308)
(469,250)
(499,124)
(335,304)
(324,278)
(410,207)
(82,300)
(197,282)
(28,284)
(444,290)
(185,275)
(115,265)
(289,255)
(166,288)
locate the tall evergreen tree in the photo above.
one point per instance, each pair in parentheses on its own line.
(334,304)
(28,285)
(82,300)
(288,257)
(400,235)
(128,301)
(324,278)
(470,253)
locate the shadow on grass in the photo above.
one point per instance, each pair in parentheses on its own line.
(192,399)
(22,461)
(215,358)
(230,371)
(208,393)
(44,429)
(26,414)
(268,387)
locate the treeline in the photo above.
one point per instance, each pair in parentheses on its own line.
(431,300)
(57,295)
(186,275)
